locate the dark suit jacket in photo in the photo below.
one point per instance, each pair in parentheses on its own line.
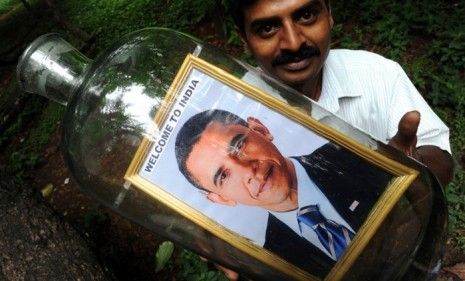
(344,178)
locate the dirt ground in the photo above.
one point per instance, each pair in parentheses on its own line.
(126,248)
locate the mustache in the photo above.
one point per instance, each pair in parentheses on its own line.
(287,56)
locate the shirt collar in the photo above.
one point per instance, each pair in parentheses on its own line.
(332,86)
(308,193)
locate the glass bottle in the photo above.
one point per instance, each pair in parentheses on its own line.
(111,103)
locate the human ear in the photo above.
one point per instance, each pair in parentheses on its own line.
(257,125)
(215,198)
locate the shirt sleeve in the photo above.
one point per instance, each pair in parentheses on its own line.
(431,131)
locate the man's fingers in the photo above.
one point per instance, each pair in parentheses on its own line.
(230,274)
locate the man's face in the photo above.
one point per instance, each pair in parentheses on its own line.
(290,39)
(239,165)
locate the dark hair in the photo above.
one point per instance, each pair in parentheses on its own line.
(236,9)
(191,132)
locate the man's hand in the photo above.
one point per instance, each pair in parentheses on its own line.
(230,274)
(406,138)
(438,161)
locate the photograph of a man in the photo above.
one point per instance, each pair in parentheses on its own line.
(316,202)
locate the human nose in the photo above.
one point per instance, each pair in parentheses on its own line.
(253,186)
(253,179)
(251,164)
(291,37)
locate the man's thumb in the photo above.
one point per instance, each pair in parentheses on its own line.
(408,126)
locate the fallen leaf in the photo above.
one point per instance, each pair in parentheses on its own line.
(47,190)
(165,250)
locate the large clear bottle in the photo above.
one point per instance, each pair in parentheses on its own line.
(111,103)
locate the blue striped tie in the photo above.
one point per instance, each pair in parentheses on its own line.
(333,236)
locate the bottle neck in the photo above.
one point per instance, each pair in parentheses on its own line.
(51,67)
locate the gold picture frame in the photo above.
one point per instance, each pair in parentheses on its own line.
(182,95)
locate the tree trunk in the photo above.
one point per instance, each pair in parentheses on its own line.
(35,244)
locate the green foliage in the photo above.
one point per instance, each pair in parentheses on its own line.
(447,90)
(450,48)
(6,5)
(455,191)
(418,70)
(32,145)
(348,40)
(22,162)
(194,269)
(39,136)
(456,199)
(428,39)
(182,14)
(109,20)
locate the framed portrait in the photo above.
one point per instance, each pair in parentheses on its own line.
(264,176)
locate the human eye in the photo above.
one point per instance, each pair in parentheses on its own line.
(240,144)
(266,28)
(223,177)
(307,14)
(267,31)
(220,177)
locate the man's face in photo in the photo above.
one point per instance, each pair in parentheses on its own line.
(238,164)
(290,39)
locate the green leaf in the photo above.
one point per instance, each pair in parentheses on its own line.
(164,253)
